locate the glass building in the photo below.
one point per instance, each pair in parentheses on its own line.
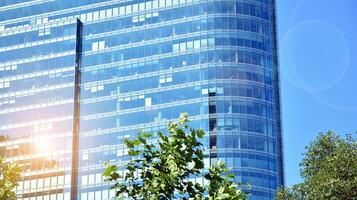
(78,77)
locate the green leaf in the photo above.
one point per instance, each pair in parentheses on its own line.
(109,170)
(146,135)
(132,152)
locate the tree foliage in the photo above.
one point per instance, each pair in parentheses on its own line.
(163,169)
(328,168)
(9,176)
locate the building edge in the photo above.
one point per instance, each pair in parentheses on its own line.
(277,90)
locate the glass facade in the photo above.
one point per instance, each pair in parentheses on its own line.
(78,77)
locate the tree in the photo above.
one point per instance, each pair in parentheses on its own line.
(162,169)
(9,176)
(328,169)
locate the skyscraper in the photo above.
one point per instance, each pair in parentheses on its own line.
(78,77)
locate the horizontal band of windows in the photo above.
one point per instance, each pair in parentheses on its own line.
(42,65)
(32,123)
(46,98)
(38,35)
(168,88)
(114,142)
(159,70)
(41,167)
(83,17)
(29,92)
(35,27)
(232,104)
(222,104)
(23,4)
(55,191)
(99,166)
(206,22)
(59,12)
(244,26)
(256,179)
(218,54)
(169,36)
(162,124)
(230,71)
(72,12)
(37,74)
(260,88)
(37,43)
(37,51)
(200,7)
(182,59)
(34,107)
(32,156)
(194,41)
(37,58)
(39,82)
(158,84)
(243,132)
(157,98)
(89,157)
(163,39)
(93,179)
(136,110)
(165,112)
(9,142)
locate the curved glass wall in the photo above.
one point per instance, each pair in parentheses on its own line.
(144,62)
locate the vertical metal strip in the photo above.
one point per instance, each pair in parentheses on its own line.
(280,146)
(76,113)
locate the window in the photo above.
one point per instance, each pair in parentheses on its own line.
(91,179)
(84,196)
(105,194)
(98,195)
(183,46)
(196,44)
(109,13)
(142,6)
(83,17)
(33,184)
(102,14)
(101,45)
(115,12)
(189,45)
(128,9)
(60,180)
(54,180)
(95,46)
(40,183)
(85,157)
(148,101)
(47,182)
(98,178)
(89,16)
(122,10)
(176,47)
(84,180)
(111,193)
(96,15)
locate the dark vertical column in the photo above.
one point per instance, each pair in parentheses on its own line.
(212,126)
(278,127)
(76,113)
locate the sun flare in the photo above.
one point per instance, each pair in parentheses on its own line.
(42,143)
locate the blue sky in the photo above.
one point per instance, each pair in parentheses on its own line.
(318,62)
